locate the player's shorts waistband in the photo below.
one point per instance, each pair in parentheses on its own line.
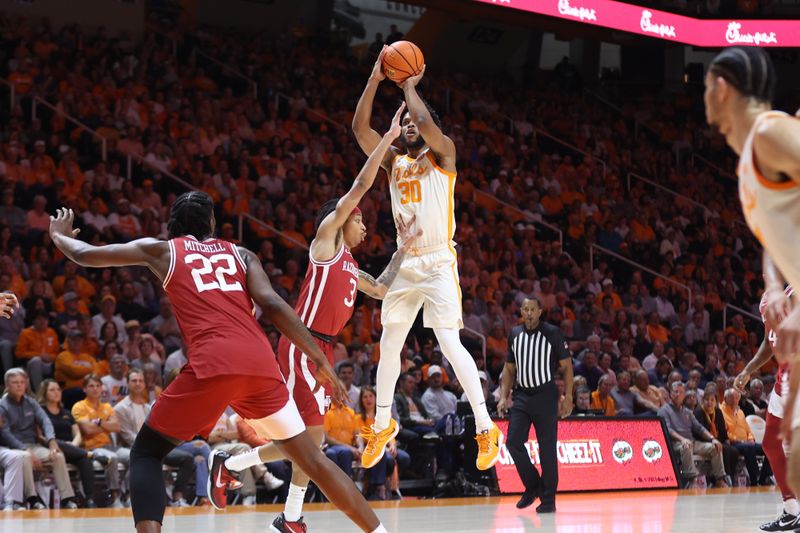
(321,336)
(418,251)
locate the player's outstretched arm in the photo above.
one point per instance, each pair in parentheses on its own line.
(440,143)
(288,323)
(330,226)
(377,288)
(148,252)
(763,355)
(777,147)
(367,137)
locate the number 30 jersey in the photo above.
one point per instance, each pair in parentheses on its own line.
(207,287)
(329,293)
(420,187)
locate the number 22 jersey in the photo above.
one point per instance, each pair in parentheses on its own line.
(207,286)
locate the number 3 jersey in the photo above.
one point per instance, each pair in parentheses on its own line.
(329,293)
(420,187)
(207,287)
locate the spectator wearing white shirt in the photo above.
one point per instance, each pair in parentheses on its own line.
(95,219)
(175,361)
(108,313)
(437,401)
(346,373)
(696,330)
(664,308)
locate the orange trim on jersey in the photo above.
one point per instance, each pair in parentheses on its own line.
(775,186)
(440,169)
(450,231)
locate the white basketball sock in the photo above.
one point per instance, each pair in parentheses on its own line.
(243,461)
(379,529)
(293,510)
(392,340)
(467,373)
(791,506)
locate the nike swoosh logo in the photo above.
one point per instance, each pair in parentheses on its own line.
(219,479)
(781,523)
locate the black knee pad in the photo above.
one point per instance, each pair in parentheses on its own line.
(149,443)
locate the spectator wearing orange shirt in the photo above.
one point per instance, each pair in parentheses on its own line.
(72,365)
(655,330)
(601,398)
(608,290)
(38,345)
(37,219)
(124,224)
(742,438)
(552,202)
(341,429)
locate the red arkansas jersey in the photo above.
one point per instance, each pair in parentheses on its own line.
(207,287)
(328,293)
(782,376)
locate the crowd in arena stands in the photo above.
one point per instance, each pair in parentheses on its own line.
(98,346)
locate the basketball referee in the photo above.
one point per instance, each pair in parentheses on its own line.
(535,352)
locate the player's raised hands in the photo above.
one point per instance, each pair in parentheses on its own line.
(406,232)
(8,304)
(324,375)
(412,81)
(377,69)
(396,129)
(61,224)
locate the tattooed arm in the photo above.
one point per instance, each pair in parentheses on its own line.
(376,288)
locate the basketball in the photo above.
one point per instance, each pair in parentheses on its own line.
(402,60)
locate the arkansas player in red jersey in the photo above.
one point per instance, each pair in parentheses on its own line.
(325,305)
(774,448)
(213,285)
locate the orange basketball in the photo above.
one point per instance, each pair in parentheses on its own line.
(401,60)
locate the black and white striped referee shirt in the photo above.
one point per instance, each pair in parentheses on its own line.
(536,353)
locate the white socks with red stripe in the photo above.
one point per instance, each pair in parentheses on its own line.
(467,374)
(294,503)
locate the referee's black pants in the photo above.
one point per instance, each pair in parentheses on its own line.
(539,408)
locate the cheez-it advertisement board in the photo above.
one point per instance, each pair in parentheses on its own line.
(600,454)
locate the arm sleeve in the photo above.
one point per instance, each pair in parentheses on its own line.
(7,438)
(24,347)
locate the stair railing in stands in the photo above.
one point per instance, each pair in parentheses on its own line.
(595,249)
(230,68)
(482,337)
(632,176)
(524,216)
(37,101)
(738,310)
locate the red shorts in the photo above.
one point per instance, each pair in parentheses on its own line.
(191,406)
(298,369)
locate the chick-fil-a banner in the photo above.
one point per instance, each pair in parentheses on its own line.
(663,25)
(599,454)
